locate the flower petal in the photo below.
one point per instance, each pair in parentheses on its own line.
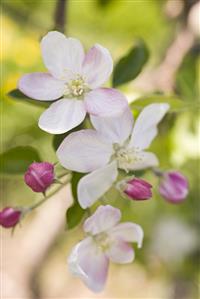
(105,218)
(143,160)
(97,66)
(117,129)
(105,102)
(41,86)
(90,264)
(62,116)
(145,128)
(62,56)
(120,252)
(92,186)
(128,232)
(84,151)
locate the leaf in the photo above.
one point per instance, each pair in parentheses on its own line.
(187,77)
(16,160)
(57,139)
(74,216)
(75,213)
(129,66)
(104,3)
(16,94)
(174,101)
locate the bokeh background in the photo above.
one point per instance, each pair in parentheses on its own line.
(33,259)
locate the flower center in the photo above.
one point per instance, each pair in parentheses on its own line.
(76,87)
(125,156)
(102,240)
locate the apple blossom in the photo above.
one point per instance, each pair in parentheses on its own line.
(39,176)
(115,144)
(75,79)
(9,217)
(106,240)
(173,186)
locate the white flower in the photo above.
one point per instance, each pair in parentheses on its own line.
(115,144)
(106,240)
(75,77)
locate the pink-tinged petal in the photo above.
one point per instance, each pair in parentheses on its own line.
(143,160)
(105,102)
(120,252)
(117,129)
(41,86)
(128,232)
(97,66)
(145,128)
(94,185)
(84,151)
(104,218)
(90,264)
(62,116)
(62,56)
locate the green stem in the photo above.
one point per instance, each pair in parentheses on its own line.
(34,206)
(158,172)
(63,174)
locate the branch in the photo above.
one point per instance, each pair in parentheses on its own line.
(60,15)
(163,77)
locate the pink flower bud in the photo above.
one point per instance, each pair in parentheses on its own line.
(9,217)
(173,186)
(138,189)
(39,176)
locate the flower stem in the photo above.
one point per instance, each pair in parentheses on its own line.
(39,203)
(158,172)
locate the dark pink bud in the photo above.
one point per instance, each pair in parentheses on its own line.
(138,189)
(39,176)
(173,186)
(9,217)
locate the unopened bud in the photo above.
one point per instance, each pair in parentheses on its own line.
(9,217)
(39,176)
(137,189)
(173,186)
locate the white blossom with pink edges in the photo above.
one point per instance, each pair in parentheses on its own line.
(75,79)
(106,240)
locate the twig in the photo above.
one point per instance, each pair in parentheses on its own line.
(60,16)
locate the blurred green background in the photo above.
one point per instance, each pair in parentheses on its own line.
(167,266)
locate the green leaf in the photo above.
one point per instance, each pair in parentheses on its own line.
(104,3)
(16,160)
(75,213)
(74,216)
(187,77)
(174,101)
(16,94)
(129,66)
(57,139)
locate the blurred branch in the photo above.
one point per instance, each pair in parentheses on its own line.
(36,237)
(162,78)
(60,16)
